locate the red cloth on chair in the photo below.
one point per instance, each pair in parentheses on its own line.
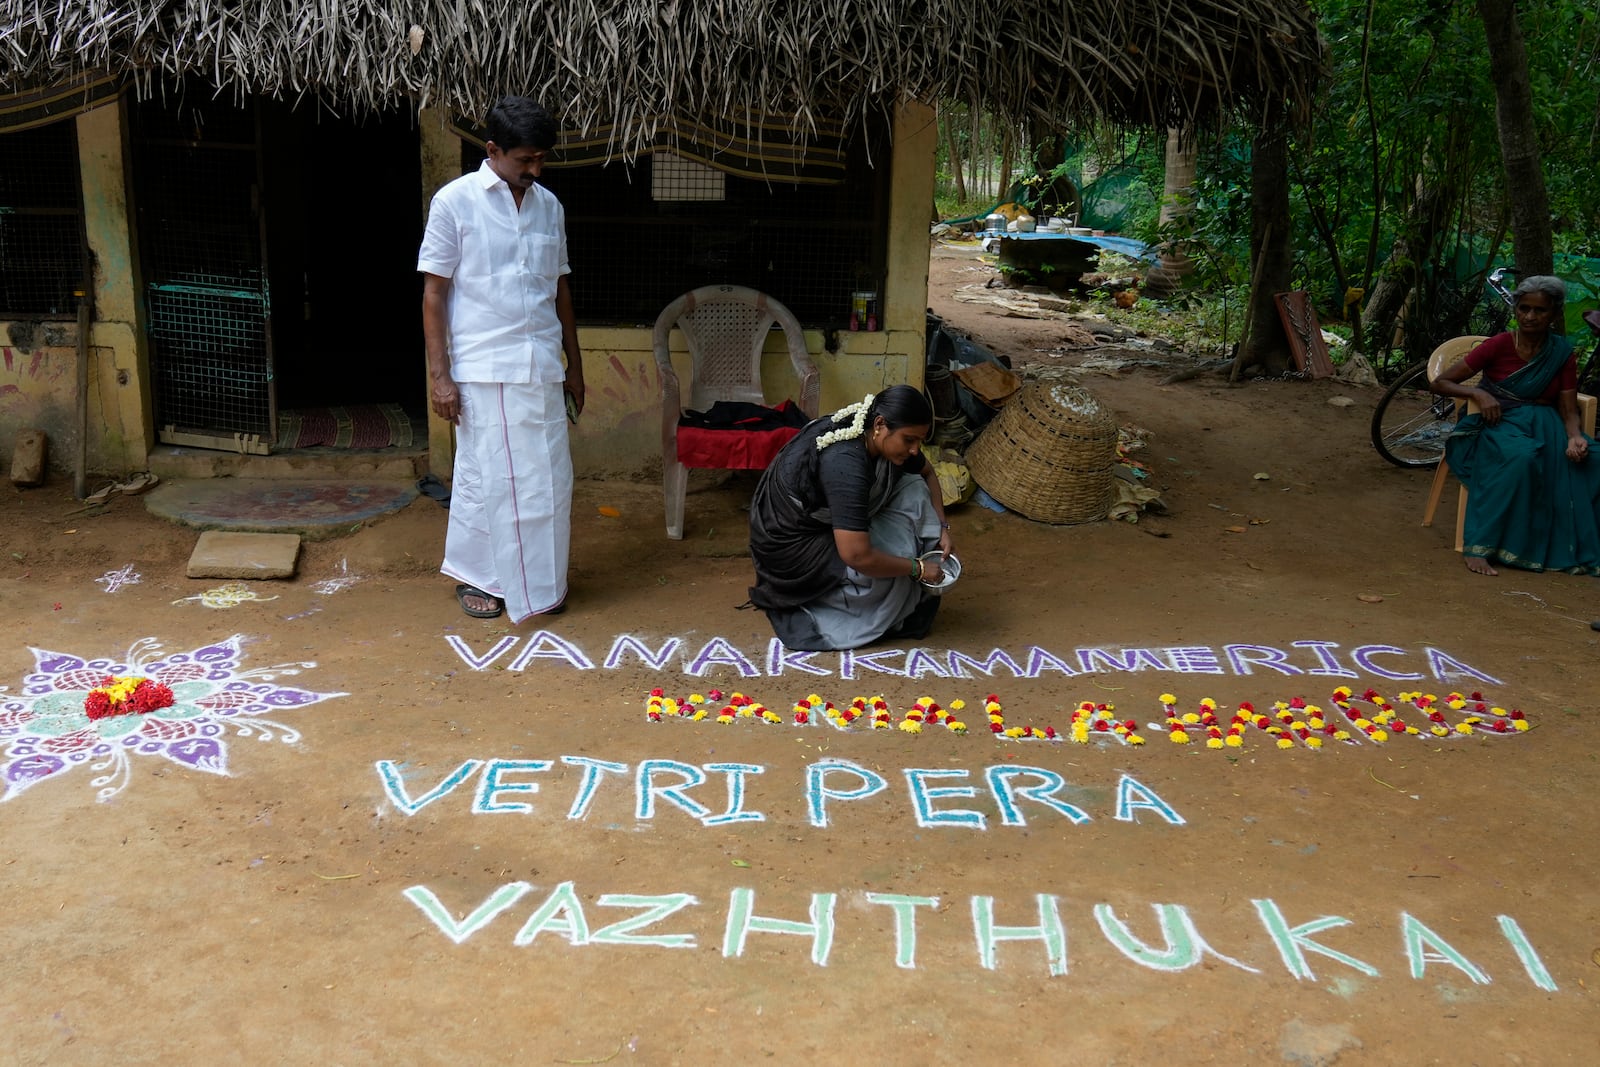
(727,446)
(731,449)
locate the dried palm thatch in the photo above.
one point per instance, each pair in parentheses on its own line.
(632,64)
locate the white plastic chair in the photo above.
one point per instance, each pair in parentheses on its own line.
(725,328)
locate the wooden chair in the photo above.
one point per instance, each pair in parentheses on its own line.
(725,328)
(1441,359)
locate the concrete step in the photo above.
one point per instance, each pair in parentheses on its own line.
(182,463)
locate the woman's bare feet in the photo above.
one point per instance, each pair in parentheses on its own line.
(1479,565)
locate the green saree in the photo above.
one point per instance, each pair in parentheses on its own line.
(1528,505)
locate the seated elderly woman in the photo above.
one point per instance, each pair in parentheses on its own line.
(845,525)
(1533,492)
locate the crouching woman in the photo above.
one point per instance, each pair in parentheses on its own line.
(847,528)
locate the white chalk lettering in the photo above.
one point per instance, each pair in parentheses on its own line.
(491,785)
(593,770)
(742,922)
(656,908)
(1245,658)
(546,648)
(1049,931)
(1133,795)
(818,793)
(656,660)
(1524,949)
(546,645)
(389,775)
(476,662)
(1419,939)
(736,773)
(905,924)
(1006,791)
(1330,665)
(923,796)
(439,915)
(1294,942)
(561,913)
(1183,946)
(646,790)
(780,659)
(1363,657)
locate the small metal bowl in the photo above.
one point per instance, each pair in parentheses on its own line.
(950,565)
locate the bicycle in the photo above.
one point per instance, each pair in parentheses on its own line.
(1411,423)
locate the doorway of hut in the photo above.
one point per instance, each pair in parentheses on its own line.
(278,252)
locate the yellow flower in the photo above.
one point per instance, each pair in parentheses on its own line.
(1379,735)
(699,714)
(1438,731)
(1362,724)
(1167,698)
(696,698)
(1179,737)
(1341,735)
(1233,741)
(1464,728)
(1209,704)
(957,704)
(1520,725)
(1498,711)
(1457,704)
(1213,742)
(724,719)
(1135,739)
(992,707)
(1313,742)
(1285,742)
(911,726)
(1015,731)
(955,726)
(771,716)
(880,724)
(1191,718)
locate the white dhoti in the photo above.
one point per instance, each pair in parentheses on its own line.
(511,500)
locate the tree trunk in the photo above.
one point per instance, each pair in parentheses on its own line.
(1270,248)
(1519,143)
(1177,203)
(955,160)
(1413,244)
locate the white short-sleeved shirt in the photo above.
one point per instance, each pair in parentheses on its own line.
(503,264)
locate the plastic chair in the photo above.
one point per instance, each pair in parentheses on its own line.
(1438,362)
(725,328)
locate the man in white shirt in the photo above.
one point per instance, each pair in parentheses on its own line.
(497,320)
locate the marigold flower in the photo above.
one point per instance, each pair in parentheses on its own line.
(1167,698)
(1233,741)
(1213,742)
(911,726)
(1313,742)
(1463,727)
(1521,725)
(957,704)
(1135,739)
(956,726)
(1285,742)
(1179,737)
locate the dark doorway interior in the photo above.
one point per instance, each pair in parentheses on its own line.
(344,218)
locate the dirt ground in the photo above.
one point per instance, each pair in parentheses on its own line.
(432,842)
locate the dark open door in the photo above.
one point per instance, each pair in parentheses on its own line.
(197,186)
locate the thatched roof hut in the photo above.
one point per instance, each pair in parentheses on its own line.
(631,66)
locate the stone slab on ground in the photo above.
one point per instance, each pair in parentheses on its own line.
(27,458)
(221,554)
(315,509)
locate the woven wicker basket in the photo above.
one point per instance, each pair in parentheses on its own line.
(1049,455)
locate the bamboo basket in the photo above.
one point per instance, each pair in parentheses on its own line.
(1049,455)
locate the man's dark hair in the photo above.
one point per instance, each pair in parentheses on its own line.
(517,121)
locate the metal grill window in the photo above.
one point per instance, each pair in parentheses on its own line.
(41,222)
(675,178)
(809,246)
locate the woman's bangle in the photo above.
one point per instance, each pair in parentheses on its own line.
(944,526)
(916,568)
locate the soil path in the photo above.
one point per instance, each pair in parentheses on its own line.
(388,833)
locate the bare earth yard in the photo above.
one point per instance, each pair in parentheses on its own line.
(385,832)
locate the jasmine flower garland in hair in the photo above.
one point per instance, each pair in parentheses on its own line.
(857,424)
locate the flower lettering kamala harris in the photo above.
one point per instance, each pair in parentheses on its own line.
(104,712)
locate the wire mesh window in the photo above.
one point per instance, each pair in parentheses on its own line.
(41,222)
(632,253)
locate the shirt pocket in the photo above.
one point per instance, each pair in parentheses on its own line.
(542,254)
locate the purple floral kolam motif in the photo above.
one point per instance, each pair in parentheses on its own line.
(46,732)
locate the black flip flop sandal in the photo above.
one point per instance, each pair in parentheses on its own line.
(463,591)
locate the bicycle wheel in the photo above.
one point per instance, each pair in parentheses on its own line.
(1410,424)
